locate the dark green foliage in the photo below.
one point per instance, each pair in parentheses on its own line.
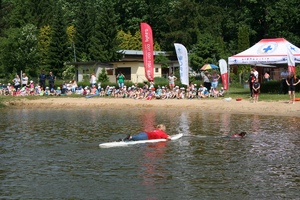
(18,50)
(184,21)
(84,29)
(210,29)
(103,41)
(58,45)
(131,14)
(273,87)
(270,87)
(163,60)
(206,51)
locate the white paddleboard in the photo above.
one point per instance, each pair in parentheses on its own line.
(127,143)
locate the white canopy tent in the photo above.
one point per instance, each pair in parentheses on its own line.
(267,51)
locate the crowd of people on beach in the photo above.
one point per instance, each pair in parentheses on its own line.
(148,91)
(34,89)
(23,87)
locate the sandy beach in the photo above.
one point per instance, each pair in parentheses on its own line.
(220,105)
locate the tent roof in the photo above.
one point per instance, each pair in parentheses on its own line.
(266,51)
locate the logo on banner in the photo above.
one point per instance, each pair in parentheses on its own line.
(267,48)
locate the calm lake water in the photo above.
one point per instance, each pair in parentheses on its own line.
(54,154)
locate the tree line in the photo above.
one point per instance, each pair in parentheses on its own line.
(36,35)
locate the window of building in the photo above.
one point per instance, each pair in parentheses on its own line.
(110,72)
(126,71)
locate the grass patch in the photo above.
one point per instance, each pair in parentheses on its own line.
(244,93)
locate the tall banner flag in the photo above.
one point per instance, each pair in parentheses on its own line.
(147,43)
(291,60)
(224,73)
(183,60)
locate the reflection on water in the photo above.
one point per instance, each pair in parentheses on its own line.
(54,154)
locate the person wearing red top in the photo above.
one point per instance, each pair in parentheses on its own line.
(239,135)
(158,133)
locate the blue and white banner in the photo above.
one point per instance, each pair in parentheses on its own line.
(183,60)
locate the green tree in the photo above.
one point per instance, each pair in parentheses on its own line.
(18,50)
(71,32)
(104,42)
(58,46)
(20,13)
(44,42)
(40,12)
(205,51)
(132,13)
(183,22)
(102,77)
(124,39)
(133,42)
(4,12)
(163,60)
(27,52)
(8,46)
(243,44)
(84,28)
(136,41)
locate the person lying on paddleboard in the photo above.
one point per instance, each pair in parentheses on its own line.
(238,135)
(158,133)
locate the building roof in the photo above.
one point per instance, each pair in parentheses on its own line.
(138,52)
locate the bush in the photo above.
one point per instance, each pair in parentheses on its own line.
(270,87)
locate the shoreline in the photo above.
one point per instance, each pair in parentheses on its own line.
(273,108)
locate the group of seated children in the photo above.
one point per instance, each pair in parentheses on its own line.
(163,92)
(35,90)
(134,92)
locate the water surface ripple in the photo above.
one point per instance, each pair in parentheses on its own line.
(54,154)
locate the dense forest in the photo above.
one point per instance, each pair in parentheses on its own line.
(46,34)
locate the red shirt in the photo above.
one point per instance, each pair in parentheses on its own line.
(236,136)
(157,134)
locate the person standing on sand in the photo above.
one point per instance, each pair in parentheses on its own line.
(206,82)
(251,82)
(121,80)
(24,80)
(17,81)
(93,80)
(214,79)
(292,81)
(283,86)
(256,87)
(172,80)
(255,72)
(51,79)
(42,79)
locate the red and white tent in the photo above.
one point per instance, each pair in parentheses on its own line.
(268,51)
